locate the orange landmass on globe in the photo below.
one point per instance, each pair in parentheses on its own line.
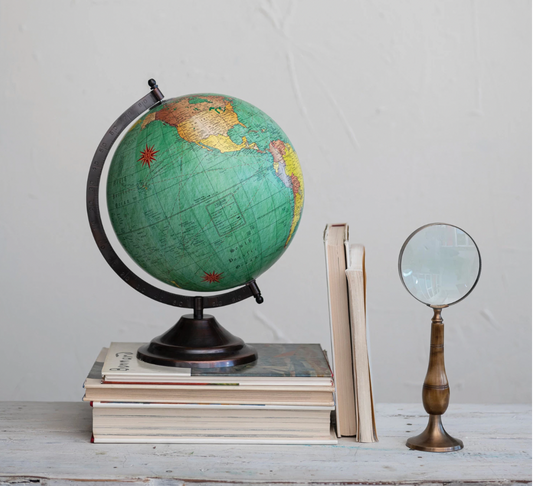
(204,120)
(147,119)
(287,167)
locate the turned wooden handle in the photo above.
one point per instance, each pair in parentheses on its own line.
(436,392)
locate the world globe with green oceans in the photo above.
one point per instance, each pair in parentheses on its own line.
(205,192)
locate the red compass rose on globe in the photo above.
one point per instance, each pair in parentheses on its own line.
(147,155)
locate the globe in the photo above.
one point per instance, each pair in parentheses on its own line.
(205,192)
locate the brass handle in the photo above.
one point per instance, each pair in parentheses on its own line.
(436,392)
(435,396)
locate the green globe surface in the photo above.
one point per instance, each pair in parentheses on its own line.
(205,192)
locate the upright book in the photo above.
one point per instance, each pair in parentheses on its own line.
(335,237)
(346,278)
(364,404)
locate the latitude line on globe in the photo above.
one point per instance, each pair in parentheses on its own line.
(176,135)
(140,169)
(191,175)
(167,265)
(260,252)
(267,185)
(199,164)
(249,208)
(192,206)
(183,248)
(178,200)
(257,173)
(187,176)
(180,185)
(275,213)
(210,243)
(281,191)
(240,243)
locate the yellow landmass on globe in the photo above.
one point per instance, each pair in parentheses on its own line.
(135,124)
(205,122)
(224,143)
(294,171)
(147,119)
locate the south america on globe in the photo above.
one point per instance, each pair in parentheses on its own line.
(205,192)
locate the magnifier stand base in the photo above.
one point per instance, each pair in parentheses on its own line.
(434,438)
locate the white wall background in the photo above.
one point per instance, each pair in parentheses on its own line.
(402,113)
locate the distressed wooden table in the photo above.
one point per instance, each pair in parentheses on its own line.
(48,443)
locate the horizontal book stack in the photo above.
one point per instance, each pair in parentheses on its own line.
(284,397)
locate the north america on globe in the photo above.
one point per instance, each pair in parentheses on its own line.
(205,192)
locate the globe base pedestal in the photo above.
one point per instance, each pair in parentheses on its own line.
(197,342)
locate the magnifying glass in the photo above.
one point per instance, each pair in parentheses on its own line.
(439,265)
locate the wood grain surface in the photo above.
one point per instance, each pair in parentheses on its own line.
(48,443)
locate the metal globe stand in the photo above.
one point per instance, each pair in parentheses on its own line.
(197,340)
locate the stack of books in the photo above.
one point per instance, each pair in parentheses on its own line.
(285,397)
(346,282)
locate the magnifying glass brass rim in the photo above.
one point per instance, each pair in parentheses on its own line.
(410,237)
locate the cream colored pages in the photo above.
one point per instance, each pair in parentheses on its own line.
(361,369)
